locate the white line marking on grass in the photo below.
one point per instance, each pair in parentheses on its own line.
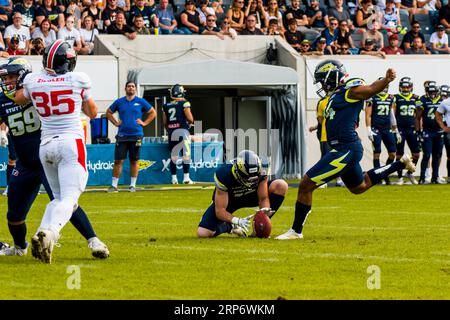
(327,255)
(152,210)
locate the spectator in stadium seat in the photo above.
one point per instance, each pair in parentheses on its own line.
(211,28)
(236,15)
(88,32)
(250,27)
(317,16)
(340,13)
(147,13)
(256,8)
(274,29)
(331,34)
(190,19)
(393,48)
(227,30)
(22,33)
(139,25)
(412,8)
(28,11)
(305,48)
(274,13)
(439,41)
(343,36)
(93,11)
(52,12)
(343,50)
(417,47)
(6,5)
(369,49)
(295,12)
(204,10)
(109,14)
(74,10)
(119,26)
(430,7)
(366,14)
(444,16)
(37,47)
(167,22)
(322,48)
(410,35)
(217,5)
(70,34)
(4,20)
(293,36)
(375,35)
(13,47)
(391,18)
(45,32)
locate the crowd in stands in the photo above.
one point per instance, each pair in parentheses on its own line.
(312,27)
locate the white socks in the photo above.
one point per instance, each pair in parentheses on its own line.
(115,182)
(133,182)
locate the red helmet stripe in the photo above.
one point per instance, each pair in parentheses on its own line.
(51,54)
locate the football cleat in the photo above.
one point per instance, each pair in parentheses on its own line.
(290,235)
(98,248)
(5,193)
(132,189)
(339,182)
(439,180)
(188,181)
(14,251)
(323,186)
(411,178)
(448,180)
(400,182)
(112,189)
(422,181)
(174,180)
(47,240)
(238,231)
(407,161)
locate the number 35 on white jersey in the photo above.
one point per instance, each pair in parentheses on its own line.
(58,101)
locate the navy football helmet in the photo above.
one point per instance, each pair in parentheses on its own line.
(445,91)
(247,167)
(177,91)
(330,74)
(15,66)
(432,90)
(405,85)
(59,57)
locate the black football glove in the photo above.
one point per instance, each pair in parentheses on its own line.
(21,78)
(420,136)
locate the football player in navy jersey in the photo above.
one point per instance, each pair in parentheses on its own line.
(342,116)
(242,184)
(405,114)
(177,118)
(28,175)
(381,126)
(432,134)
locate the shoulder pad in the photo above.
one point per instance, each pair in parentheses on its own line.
(81,79)
(186,104)
(354,82)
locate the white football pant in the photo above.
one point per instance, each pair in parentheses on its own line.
(64,160)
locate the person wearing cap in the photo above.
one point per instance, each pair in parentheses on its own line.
(305,48)
(13,48)
(393,48)
(369,49)
(322,48)
(293,36)
(22,33)
(439,41)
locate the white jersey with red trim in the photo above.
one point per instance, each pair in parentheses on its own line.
(58,101)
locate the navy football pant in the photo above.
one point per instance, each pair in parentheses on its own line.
(432,146)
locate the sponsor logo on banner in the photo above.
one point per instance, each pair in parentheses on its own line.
(100,165)
(3,166)
(194,165)
(145,164)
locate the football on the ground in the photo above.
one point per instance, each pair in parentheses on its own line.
(262,225)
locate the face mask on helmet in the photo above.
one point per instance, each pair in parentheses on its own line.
(330,74)
(405,86)
(9,73)
(445,91)
(247,168)
(432,91)
(177,91)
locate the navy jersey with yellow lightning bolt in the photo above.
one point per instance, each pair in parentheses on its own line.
(405,111)
(24,127)
(429,107)
(174,111)
(342,115)
(381,107)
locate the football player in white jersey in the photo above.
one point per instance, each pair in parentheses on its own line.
(59,95)
(443,119)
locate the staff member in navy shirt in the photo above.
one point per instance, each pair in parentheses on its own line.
(132,110)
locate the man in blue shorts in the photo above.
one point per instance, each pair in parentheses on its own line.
(242,184)
(132,111)
(342,118)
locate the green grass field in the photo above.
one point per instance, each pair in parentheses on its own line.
(155,254)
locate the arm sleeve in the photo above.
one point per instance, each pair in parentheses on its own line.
(392,117)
